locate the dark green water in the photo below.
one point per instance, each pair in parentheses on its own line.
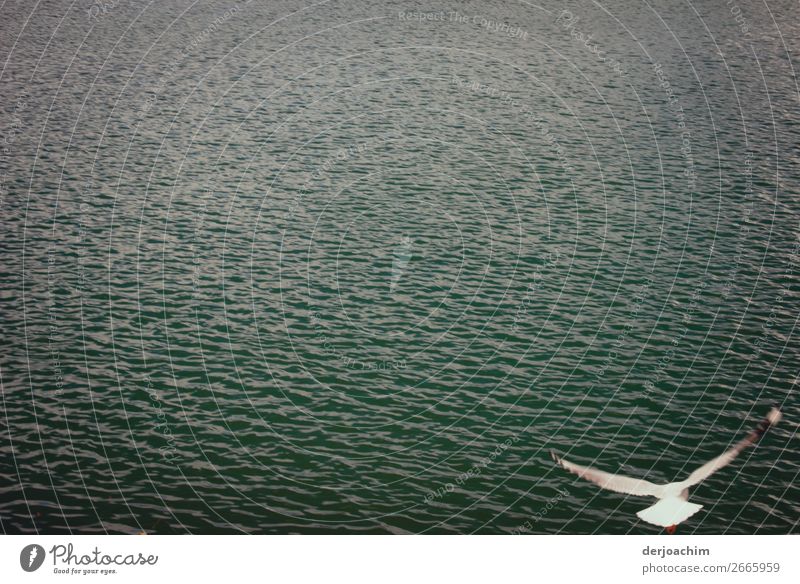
(334,268)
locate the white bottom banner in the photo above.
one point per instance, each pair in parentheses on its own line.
(353,559)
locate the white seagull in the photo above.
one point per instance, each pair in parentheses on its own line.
(673,506)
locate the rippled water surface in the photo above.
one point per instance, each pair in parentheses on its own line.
(342,267)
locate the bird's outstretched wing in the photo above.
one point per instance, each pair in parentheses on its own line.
(612,482)
(717,463)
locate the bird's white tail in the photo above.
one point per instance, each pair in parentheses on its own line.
(669,511)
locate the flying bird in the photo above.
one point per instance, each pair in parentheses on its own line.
(673,506)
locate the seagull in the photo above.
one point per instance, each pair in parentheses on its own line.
(673,506)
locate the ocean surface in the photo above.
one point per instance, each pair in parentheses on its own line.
(356,267)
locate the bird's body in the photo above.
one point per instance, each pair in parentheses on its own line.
(673,505)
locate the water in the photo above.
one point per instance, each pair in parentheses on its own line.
(336,268)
